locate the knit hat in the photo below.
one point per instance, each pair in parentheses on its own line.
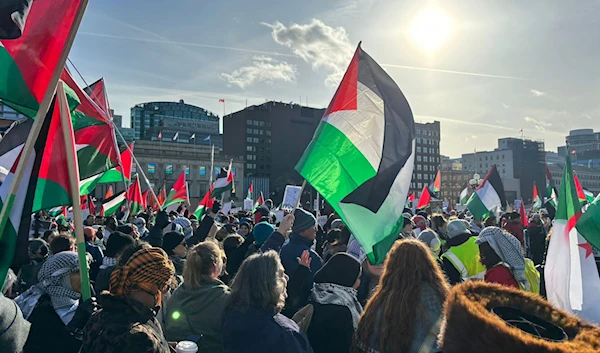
(341,269)
(303,221)
(420,219)
(262,232)
(430,238)
(456,228)
(14,329)
(116,243)
(510,320)
(170,241)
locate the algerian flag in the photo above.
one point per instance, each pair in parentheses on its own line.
(113,205)
(361,157)
(488,197)
(571,275)
(464,196)
(537,201)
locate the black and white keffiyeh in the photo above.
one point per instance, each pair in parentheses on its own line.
(54,281)
(330,293)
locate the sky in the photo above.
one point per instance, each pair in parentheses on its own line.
(484,69)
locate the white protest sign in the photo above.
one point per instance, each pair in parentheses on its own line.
(291,196)
(322,220)
(279,216)
(226,208)
(248,205)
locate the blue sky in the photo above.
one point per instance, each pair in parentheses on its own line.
(503,66)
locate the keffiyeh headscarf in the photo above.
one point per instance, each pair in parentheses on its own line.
(54,280)
(508,248)
(148,269)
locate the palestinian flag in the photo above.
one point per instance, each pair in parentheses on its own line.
(113,204)
(45,182)
(589,196)
(113,175)
(162,195)
(583,195)
(92,206)
(250,191)
(551,196)
(464,196)
(55,211)
(488,197)
(524,219)
(109,192)
(437,184)
(178,194)
(425,198)
(223,183)
(410,200)
(205,204)
(152,203)
(145,197)
(361,157)
(571,275)
(259,202)
(31,51)
(134,197)
(97,91)
(537,201)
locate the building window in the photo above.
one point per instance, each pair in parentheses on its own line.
(255,139)
(425,159)
(255,131)
(502,156)
(497,157)
(418,158)
(186,168)
(202,171)
(248,122)
(151,168)
(418,149)
(255,122)
(249,148)
(248,131)
(418,167)
(419,185)
(419,176)
(262,123)
(249,139)
(261,131)
(169,169)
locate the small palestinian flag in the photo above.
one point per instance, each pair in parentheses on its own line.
(250,191)
(425,198)
(205,204)
(162,194)
(97,91)
(145,197)
(134,197)
(259,202)
(436,186)
(524,220)
(464,196)
(223,183)
(113,204)
(583,195)
(551,196)
(488,197)
(109,192)
(361,157)
(178,194)
(537,201)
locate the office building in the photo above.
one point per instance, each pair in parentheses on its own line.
(582,140)
(117,119)
(272,136)
(427,155)
(589,178)
(175,121)
(7,116)
(453,183)
(554,158)
(450,164)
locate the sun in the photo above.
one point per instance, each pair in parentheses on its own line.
(431,28)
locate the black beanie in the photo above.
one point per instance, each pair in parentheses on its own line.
(341,269)
(303,220)
(116,243)
(170,241)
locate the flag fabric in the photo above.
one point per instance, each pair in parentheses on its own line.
(582,194)
(134,197)
(92,206)
(449,208)
(250,191)
(223,183)
(162,194)
(537,201)
(206,203)
(551,196)
(176,136)
(464,196)
(571,275)
(488,197)
(425,198)
(55,211)
(589,223)
(411,198)
(193,137)
(207,139)
(259,202)
(109,192)
(145,197)
(524,220)
(113,175)
(97,91)
(361,157)
(113,204)
(159,136)
(221,100)
(31,51)
(12,19)
(178,193)
(437,183)
(589,196)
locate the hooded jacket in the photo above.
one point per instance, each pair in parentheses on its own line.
(197,311)
(155,237)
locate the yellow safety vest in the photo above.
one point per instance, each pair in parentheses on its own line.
(465,259)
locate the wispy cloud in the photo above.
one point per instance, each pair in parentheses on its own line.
(463,122)
(539,125)
(455,72)
(318,44)
(537,93)
(505,106)
(262,69)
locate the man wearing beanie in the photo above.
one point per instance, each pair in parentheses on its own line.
(303,235)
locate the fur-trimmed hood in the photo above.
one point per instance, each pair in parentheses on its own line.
(470,325)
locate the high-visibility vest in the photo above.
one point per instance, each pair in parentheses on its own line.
(465,259)
(532,275)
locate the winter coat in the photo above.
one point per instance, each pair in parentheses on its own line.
(202,231)
(536,236)
(330,329)
(260,331)
(123,325)
(293,250)
(14,329)
(103,279)
(197,311)
(48,333)
(155,237)
(501,275)
(515,229)
(97,257)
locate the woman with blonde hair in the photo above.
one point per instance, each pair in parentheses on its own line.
(405,312)
(196,307)
(252,320)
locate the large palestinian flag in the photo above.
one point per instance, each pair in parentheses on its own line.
(178,194)
(361,157)
(571,275)
(223,183)
(488,197)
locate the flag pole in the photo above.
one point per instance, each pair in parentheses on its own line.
(73,170)
(212,162)
(39,120)
(299,196)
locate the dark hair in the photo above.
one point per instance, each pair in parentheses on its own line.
(438,221)
(48,233)
(333,235)
(125,229)
(61,242)
(233,241)
(144,215)
(487,256)
(117,242)
(132,249)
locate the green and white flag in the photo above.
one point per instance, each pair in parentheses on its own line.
(464,196)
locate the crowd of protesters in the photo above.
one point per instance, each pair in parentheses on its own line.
(247,283)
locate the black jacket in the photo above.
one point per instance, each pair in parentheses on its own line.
(155,237)
(330,329)
(103,279)
(536,237)
(201,233)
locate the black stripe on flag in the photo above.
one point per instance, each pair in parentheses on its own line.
(493,177)
(13,14)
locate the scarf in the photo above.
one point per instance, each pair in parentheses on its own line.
(108,262)
(329,293)
(53,277)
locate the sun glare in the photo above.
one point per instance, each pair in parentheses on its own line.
(430,28)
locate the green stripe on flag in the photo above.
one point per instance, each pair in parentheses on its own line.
(12,85)
(589,224)
(477,207)
(112,206)
(49,194)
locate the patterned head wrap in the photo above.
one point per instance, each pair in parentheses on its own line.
(149,270)
(508,248)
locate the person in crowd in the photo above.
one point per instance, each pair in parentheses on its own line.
(262,231)
(252,319)
(127,322)
(405,312)
(335,304)
(515,227)
(408,228)
(262,211)
(129,229)
(53,306)
(90,220)
(111,226)
(62,242)
(115,246)
(302,238)
(28,274)
(14,329)
(196,307)
(155,237)
(461,261)
(175,246)
(235,247)
(49,235)
(245,229)
(490,221)
(476,225)
(206,225)
(333,237)
(186,225)
(420,222)
(433,242)
(90,238)
(224,232)
(502,256)
(140,223)
(439,225)
(536,239)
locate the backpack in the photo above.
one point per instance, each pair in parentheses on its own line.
(303,317)
(533,276)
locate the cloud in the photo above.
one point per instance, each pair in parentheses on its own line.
(322,46)
(262,69)
(505,106)
(539,125)
(455,72)
(537,93)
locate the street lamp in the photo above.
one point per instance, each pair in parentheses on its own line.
(476,181)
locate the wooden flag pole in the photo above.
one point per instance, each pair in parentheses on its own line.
(299,196)
(39,120)
(73,169)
